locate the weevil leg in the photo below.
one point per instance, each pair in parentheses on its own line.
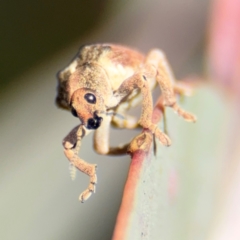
(182,89)
(101,140)
(123,120)
(159,113)
(140,80)
(71,144)
(166,82)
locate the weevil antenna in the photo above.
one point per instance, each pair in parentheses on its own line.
(115,114)
(111,114)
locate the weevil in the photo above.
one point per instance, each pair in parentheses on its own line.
(102,83)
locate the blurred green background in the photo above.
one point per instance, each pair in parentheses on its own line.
(34,30)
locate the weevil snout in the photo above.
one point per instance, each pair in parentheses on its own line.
(95,122)
(85,105)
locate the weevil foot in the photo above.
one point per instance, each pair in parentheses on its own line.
(87,193)
(162,137)
(141,142)
(90,190)
(187,116)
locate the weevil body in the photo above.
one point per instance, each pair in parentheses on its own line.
(103,82)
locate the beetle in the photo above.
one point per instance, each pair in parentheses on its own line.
(102,83)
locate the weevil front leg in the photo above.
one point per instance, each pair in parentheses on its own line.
(122,120)
(140,81)
(71,144)
(101,140)
(167,84)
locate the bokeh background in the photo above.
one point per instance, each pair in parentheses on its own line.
(38,200)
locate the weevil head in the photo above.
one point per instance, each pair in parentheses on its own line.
(88,105)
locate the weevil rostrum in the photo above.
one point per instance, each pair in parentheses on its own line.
(101,83)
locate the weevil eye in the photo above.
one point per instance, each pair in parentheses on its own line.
(74,112)
(90,98)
